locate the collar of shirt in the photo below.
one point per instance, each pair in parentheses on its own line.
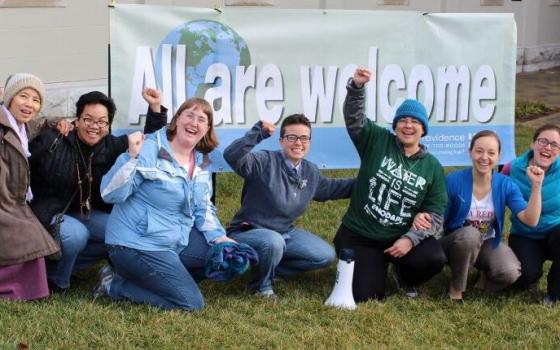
(290,164)
(19,129)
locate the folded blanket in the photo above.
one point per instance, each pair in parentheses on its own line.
(227,260)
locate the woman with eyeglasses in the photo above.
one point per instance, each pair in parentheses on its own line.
(66,173)
(163,222)
(278,187)
(474,218)
(534,245)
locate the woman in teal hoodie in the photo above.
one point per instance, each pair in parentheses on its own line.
(534,245)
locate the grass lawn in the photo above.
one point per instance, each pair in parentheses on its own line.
(234,319)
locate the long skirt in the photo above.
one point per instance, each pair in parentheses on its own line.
(25,281)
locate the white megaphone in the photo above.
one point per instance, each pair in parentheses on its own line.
(341,295)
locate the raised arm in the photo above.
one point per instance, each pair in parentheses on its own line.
(530,215)
(355,103)
(123,179)
(238,154)
(156,118)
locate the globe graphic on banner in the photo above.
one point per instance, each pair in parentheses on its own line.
(207,42)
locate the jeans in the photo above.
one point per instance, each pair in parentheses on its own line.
(533,253)
(163,279)
(83,245)
(421,263)
(278,256)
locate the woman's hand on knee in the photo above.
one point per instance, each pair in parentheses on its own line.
(222,239)
(400,248)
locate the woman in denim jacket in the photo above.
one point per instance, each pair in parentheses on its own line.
(163,221)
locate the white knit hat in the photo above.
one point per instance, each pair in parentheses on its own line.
(19,81)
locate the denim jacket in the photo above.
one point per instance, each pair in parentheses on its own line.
(156,204)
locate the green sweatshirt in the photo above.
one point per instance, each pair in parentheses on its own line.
(391,188)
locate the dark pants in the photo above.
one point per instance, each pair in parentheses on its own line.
(421,263)
(532,253)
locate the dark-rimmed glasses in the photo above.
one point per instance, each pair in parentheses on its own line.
(541,141)
(294,138)
(99,123)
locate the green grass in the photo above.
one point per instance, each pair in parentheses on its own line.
(234,319)
(527,109)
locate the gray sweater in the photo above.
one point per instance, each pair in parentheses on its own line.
(273,197)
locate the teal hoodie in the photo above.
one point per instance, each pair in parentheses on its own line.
(550,215)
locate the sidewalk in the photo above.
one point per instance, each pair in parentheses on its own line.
(542,86)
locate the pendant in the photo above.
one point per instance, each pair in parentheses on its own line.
(87,205)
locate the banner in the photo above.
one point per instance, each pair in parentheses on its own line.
(265,64)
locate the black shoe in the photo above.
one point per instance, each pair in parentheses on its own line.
(408,290)
(55,289)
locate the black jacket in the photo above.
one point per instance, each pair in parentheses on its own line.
(55,161)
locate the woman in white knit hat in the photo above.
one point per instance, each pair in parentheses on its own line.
(23,241)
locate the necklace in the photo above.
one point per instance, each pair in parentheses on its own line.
(85,204)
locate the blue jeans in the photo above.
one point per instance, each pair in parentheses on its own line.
(302,251)
(83,245)
(160,278)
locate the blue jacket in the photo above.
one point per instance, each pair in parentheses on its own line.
(550,215)
(156,204)
(460,189)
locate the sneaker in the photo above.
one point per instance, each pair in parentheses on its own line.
(268,294)
(548,301)
(106,275)
(410,291)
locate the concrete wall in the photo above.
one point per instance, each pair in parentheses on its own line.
(67,46)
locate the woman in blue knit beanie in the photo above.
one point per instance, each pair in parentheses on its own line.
(398,180)
(534,245)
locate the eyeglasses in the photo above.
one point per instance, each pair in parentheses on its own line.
(200,119)
(544,142)
(412,121)
(99,123)
(294,138)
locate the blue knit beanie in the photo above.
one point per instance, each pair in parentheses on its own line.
(414,109)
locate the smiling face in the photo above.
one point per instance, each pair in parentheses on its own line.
(191,126)
(546,148)
(485,154)
(296,150)
(25,105)
(409,130)
(93,124)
